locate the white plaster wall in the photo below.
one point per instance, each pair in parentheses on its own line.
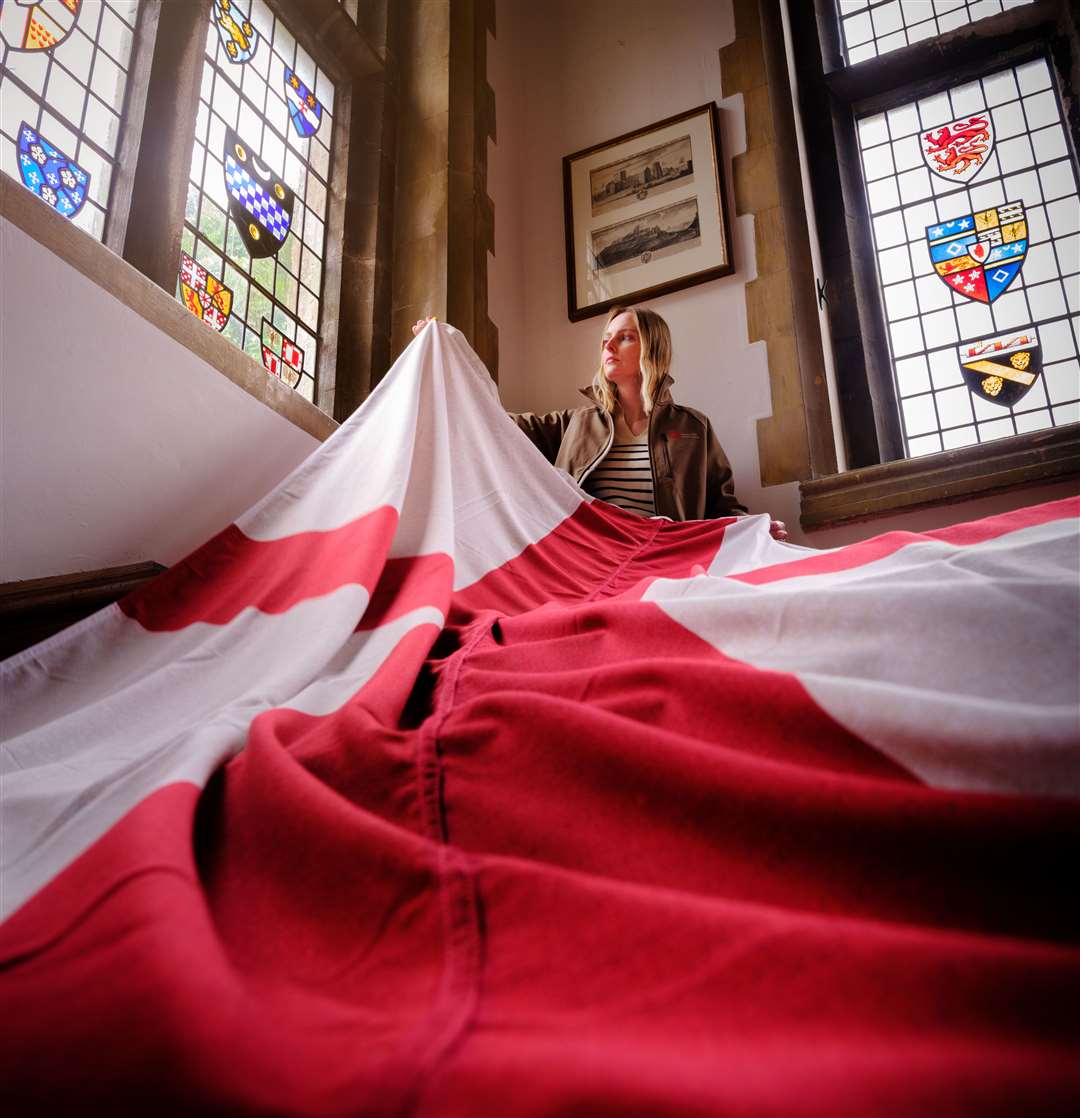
(568,74)
(117,445)
(571,73)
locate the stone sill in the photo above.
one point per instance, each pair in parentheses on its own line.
(940,479)
(114,275)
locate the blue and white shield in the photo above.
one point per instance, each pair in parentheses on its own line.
(50,174)
(304,110)
(260,203)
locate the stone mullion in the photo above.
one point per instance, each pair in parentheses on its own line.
(472,227)
(159,183)
(443,224)
(795,441)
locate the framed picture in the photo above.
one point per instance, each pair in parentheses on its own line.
(646,214)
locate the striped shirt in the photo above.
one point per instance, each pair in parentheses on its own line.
(624,475)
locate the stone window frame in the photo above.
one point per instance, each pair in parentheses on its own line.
(879,480)
(149,188)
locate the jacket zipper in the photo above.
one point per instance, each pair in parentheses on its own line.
(607,446)
(652,464)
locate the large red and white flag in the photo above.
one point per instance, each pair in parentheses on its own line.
(433,787)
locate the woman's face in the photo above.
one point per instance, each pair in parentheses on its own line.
(622,349)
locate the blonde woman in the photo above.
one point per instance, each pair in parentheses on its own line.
(632,445)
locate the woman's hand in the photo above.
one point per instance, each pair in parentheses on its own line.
(421,323)
(777,530)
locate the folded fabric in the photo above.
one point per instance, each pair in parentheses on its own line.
(433,786)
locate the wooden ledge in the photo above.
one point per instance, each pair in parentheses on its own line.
(37,608)
(940,479)
(114,275)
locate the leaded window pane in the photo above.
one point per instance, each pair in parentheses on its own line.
(975,215)
(254,224)
(63,82)
(870,28)
(350,7)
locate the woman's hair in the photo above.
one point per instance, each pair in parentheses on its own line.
(655,357)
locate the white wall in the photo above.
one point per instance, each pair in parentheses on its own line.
(117,445)
(571,73)
(567,75)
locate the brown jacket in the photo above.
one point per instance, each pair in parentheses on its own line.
(691,475)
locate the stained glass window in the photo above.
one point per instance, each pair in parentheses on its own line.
(257,192)
(63,79)
(350,7)
(976,222)
(874,27)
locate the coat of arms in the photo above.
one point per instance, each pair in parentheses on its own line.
(260,203)
(1004,368)
(204,295)
(304,110)
(50,174)
(282,357)
(238,37)
(980,254)
(37,24)
(956,151)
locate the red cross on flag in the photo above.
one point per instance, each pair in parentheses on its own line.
(433,786)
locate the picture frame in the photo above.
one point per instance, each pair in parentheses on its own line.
(646,213)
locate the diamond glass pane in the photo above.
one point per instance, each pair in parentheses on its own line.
(873,27)
(262,144)
(1009,181)
(351,7)
(64,74)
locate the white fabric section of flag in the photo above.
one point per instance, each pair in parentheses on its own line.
(101,716)
(358,660)
(960,663)
(433,441)
(105,713)
(748,546)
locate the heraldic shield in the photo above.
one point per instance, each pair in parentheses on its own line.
(37,24)
(260,203)
(1002,369)
(203,294)
(957,151)
(281,357)
(235,31)
(304,110)
(50,174)
(980,254)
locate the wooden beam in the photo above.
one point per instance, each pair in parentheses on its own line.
(34,609)
(941,479)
